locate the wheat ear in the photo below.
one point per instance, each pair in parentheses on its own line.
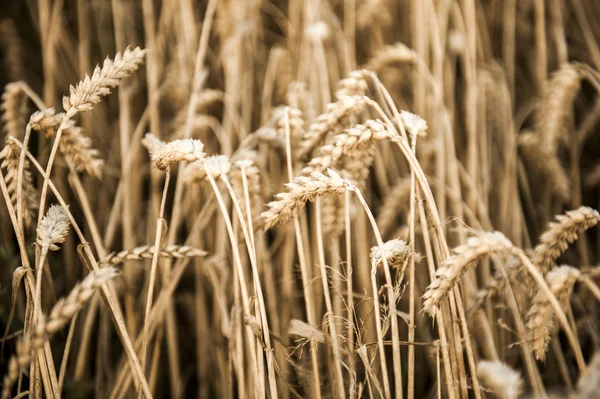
(61,313)
(301,190)
(53,229)
(90,91)
(14,109)
(465,256)
(335,113)
(177,151)
(10,155)
(540,318)
(74,145)
(555,240)
(147,251)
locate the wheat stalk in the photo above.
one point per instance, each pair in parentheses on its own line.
(540,318)
(61,313)
(555,240)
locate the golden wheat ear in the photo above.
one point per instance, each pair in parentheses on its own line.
(465,256)
(90,91)
(301,190)
(53,229)
(10,156)
(540,318)
(555,240)
(60,315)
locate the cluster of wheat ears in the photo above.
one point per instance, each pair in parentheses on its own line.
(309,199)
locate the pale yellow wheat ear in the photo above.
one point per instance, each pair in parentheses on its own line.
(354,84)
(348,145)
(301,190)
(556,105)
(147,251)
(588,385)
(60,315)
(14,109)
(75,146)
(10,155)
(78,151)
(90,91)
(53,229)
(391,54)
(217,165)
(544,161)
(46,121)
(465,256)
(555,240)
(395,252)
(335,114)
(540,318)
(413,124)
(177,151)
(152,143)
(500,379)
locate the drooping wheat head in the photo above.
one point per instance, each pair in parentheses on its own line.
(540,318)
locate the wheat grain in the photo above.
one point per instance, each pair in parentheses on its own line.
(540,318)
(555,240)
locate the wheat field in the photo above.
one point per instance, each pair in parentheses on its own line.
(300,199)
